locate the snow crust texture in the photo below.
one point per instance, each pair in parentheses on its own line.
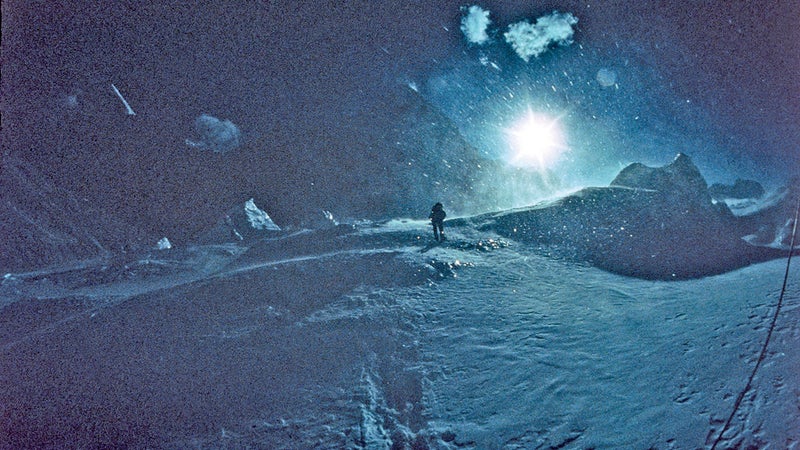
(368,336)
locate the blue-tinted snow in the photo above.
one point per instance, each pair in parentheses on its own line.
(367,337)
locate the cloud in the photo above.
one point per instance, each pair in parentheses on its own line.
(474,25)
(220,136)
(533,39)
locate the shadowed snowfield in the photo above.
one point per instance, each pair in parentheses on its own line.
(367,337)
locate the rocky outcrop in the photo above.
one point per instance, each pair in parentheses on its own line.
(740,189)
(245,221)
(654,223)
(679,181)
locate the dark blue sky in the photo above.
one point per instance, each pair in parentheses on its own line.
(319,89)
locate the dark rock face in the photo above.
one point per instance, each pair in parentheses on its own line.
(679,181)
(653,223)
(434,159)
(738,190)
(391,157)
(43,224)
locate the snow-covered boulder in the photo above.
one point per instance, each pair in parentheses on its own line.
(241,222)
(258,218)
(163,244)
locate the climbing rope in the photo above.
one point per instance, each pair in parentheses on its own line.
(769,333)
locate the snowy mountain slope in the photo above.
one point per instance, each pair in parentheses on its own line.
(368,337)
(45,224)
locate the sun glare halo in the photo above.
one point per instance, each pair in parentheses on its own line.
(536,141)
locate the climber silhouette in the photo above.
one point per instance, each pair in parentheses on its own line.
(437,220)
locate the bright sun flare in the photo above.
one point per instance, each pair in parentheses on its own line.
(536,141)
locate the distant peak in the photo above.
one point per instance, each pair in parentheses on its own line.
(680,176)
(683,161)
(682,158)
